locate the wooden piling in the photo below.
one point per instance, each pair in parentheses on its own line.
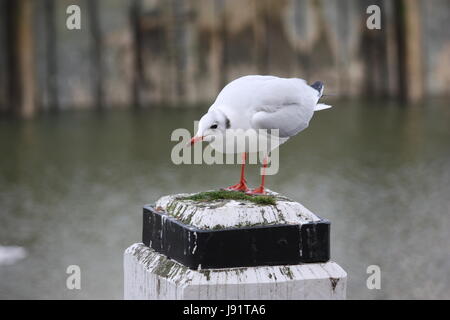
(232,249)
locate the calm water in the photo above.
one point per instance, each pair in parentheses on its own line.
(72,186)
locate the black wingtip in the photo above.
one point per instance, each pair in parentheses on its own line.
(318,85)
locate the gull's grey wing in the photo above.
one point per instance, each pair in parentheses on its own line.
(288,119)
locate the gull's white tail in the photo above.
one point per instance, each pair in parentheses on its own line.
(321,106)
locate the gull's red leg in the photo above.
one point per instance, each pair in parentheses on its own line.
(242,185)
(260,189)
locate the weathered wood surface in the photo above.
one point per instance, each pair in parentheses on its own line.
(149,275)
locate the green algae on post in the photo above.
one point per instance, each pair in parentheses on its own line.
(230,195)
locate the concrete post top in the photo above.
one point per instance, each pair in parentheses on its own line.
(220,209)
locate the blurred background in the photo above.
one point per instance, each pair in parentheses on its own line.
(86,117)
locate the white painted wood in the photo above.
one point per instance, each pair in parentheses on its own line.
(221,214)
(150,275)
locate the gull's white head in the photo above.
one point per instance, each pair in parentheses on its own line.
(211,125)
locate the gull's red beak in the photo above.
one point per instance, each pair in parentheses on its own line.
(194,140)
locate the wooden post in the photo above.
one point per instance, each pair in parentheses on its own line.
(232,249)
(138,63)
(407,14)
(20,57)
(97,54)
(52,55)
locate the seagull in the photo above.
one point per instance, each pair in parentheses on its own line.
(261,102)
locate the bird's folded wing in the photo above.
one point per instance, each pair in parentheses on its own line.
(288,119)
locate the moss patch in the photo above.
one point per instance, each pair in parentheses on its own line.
(209,196)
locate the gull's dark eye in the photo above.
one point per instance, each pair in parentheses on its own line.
(214,126)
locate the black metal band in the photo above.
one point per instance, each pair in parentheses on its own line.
(281,244)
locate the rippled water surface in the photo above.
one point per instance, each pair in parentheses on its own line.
(72,187)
